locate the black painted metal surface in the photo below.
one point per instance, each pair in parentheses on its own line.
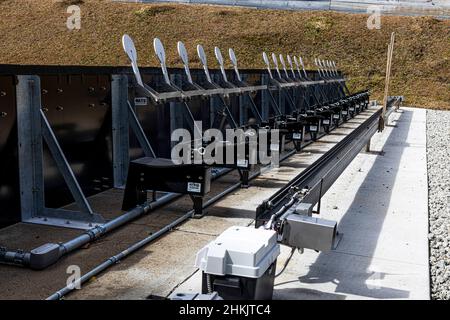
(9,171)
(77,103)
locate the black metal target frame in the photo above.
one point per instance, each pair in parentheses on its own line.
(70,132)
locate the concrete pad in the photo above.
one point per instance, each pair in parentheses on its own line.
(22,283)
(167,264)
(151,272)
(380,202)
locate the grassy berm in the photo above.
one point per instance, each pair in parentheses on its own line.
(35,32)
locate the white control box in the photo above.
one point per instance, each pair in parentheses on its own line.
(239,251)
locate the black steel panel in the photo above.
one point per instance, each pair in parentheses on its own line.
(78,109)
(76,100)
(9,171)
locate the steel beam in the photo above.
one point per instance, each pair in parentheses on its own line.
(315,181)
(120,129)
(30,146)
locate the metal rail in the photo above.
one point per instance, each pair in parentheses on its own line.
(357,139)
(31,115)
(312,183)
(41,257)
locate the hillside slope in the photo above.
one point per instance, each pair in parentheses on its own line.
(35,32)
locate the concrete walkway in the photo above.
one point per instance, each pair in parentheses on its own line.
(160,268)
(380,202)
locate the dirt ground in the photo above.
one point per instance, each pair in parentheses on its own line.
(35,32)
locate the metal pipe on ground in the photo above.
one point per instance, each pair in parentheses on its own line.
(136,246)
(49,253)
(95,233)
(125,253)
(114,259)
(42,257)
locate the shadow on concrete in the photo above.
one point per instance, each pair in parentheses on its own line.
(309,294)
(350,273)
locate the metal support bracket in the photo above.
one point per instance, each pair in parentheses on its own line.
(33,128)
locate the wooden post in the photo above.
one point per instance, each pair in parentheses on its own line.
(388,77)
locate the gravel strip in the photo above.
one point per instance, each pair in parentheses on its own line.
(438,162)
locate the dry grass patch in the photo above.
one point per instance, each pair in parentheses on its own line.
(34,32)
